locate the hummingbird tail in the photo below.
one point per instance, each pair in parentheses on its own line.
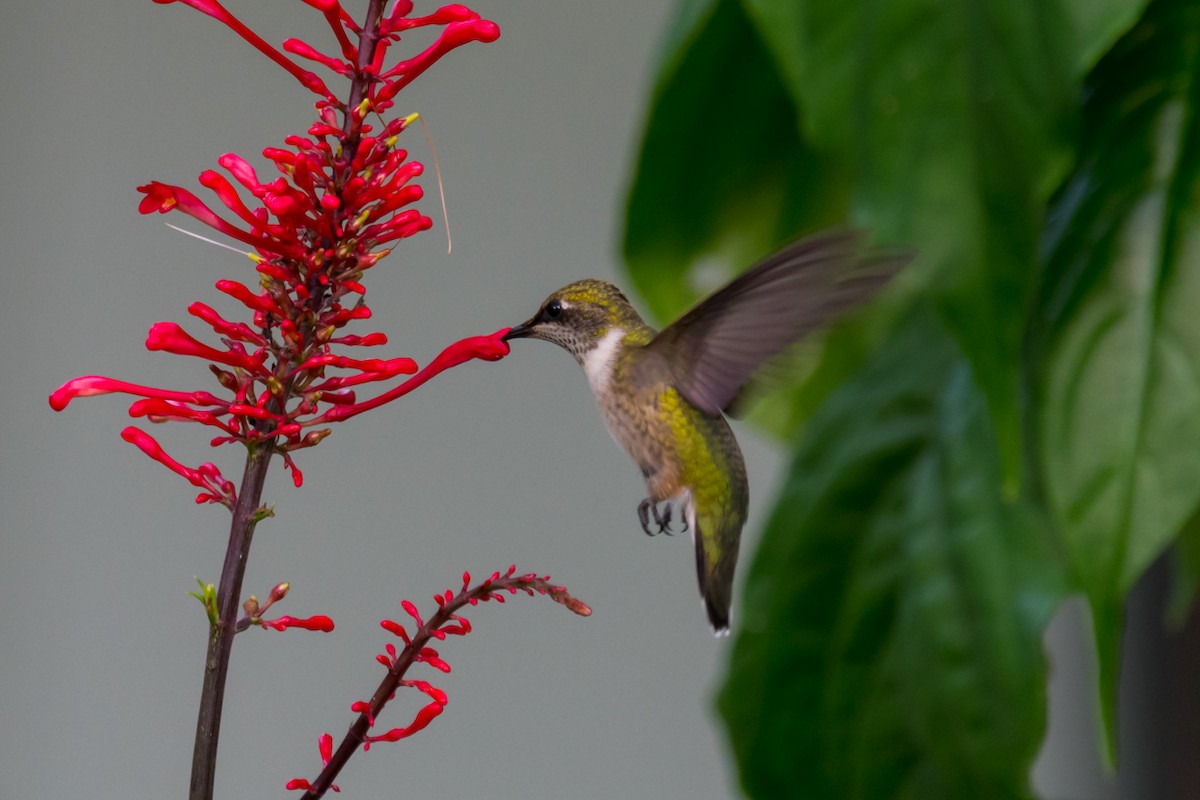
(714,570)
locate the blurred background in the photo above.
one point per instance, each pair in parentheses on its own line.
(489,465)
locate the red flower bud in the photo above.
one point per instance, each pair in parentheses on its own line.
(319,622)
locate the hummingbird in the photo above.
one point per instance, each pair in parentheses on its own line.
(664,395)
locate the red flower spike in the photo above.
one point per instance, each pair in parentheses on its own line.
(343,195)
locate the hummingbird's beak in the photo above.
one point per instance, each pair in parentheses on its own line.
(520,332)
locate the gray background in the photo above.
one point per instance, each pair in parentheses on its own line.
(490,464)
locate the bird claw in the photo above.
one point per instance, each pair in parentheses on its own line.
(662,520)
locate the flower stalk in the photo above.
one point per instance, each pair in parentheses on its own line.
(340,205)
(246,514)
(444,622)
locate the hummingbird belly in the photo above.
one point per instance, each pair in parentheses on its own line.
(680,448)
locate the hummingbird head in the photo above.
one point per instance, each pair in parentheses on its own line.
(579,318)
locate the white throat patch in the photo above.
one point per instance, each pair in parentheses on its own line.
(598,362)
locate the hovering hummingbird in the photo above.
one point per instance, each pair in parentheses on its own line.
(662,395)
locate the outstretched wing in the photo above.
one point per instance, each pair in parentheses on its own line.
(803,287)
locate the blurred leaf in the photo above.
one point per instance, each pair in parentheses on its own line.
(951,119)
(1185,575)
(722,168)
(890,637)
(1116,333)
(1097,24)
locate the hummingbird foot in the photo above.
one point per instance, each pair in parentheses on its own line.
(662,520)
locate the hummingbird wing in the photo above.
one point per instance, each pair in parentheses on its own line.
(804,287)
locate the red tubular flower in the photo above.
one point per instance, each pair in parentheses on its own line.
(488,348)
(345,191)
(320,622)
(207,476)
(325,745)
(215,10)
(425,716)
(170,337)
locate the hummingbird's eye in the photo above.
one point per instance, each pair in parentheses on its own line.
(554,309)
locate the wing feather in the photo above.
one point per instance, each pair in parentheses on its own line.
(803,287)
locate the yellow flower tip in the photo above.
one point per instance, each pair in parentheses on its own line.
(255,257)
(364,106)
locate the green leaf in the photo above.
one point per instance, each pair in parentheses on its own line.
(890,636)
(722,168)
(952,121)
(208,598)
(1116,335)
(1097,24)
(1185,575)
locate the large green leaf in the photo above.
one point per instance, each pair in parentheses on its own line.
(722,168)
(890,637)
(1117,333)
(951,118)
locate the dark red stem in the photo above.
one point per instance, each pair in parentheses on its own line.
(368,40)
(357,733)
(220,639)
(246,511)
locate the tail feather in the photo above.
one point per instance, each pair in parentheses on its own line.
(714,570)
